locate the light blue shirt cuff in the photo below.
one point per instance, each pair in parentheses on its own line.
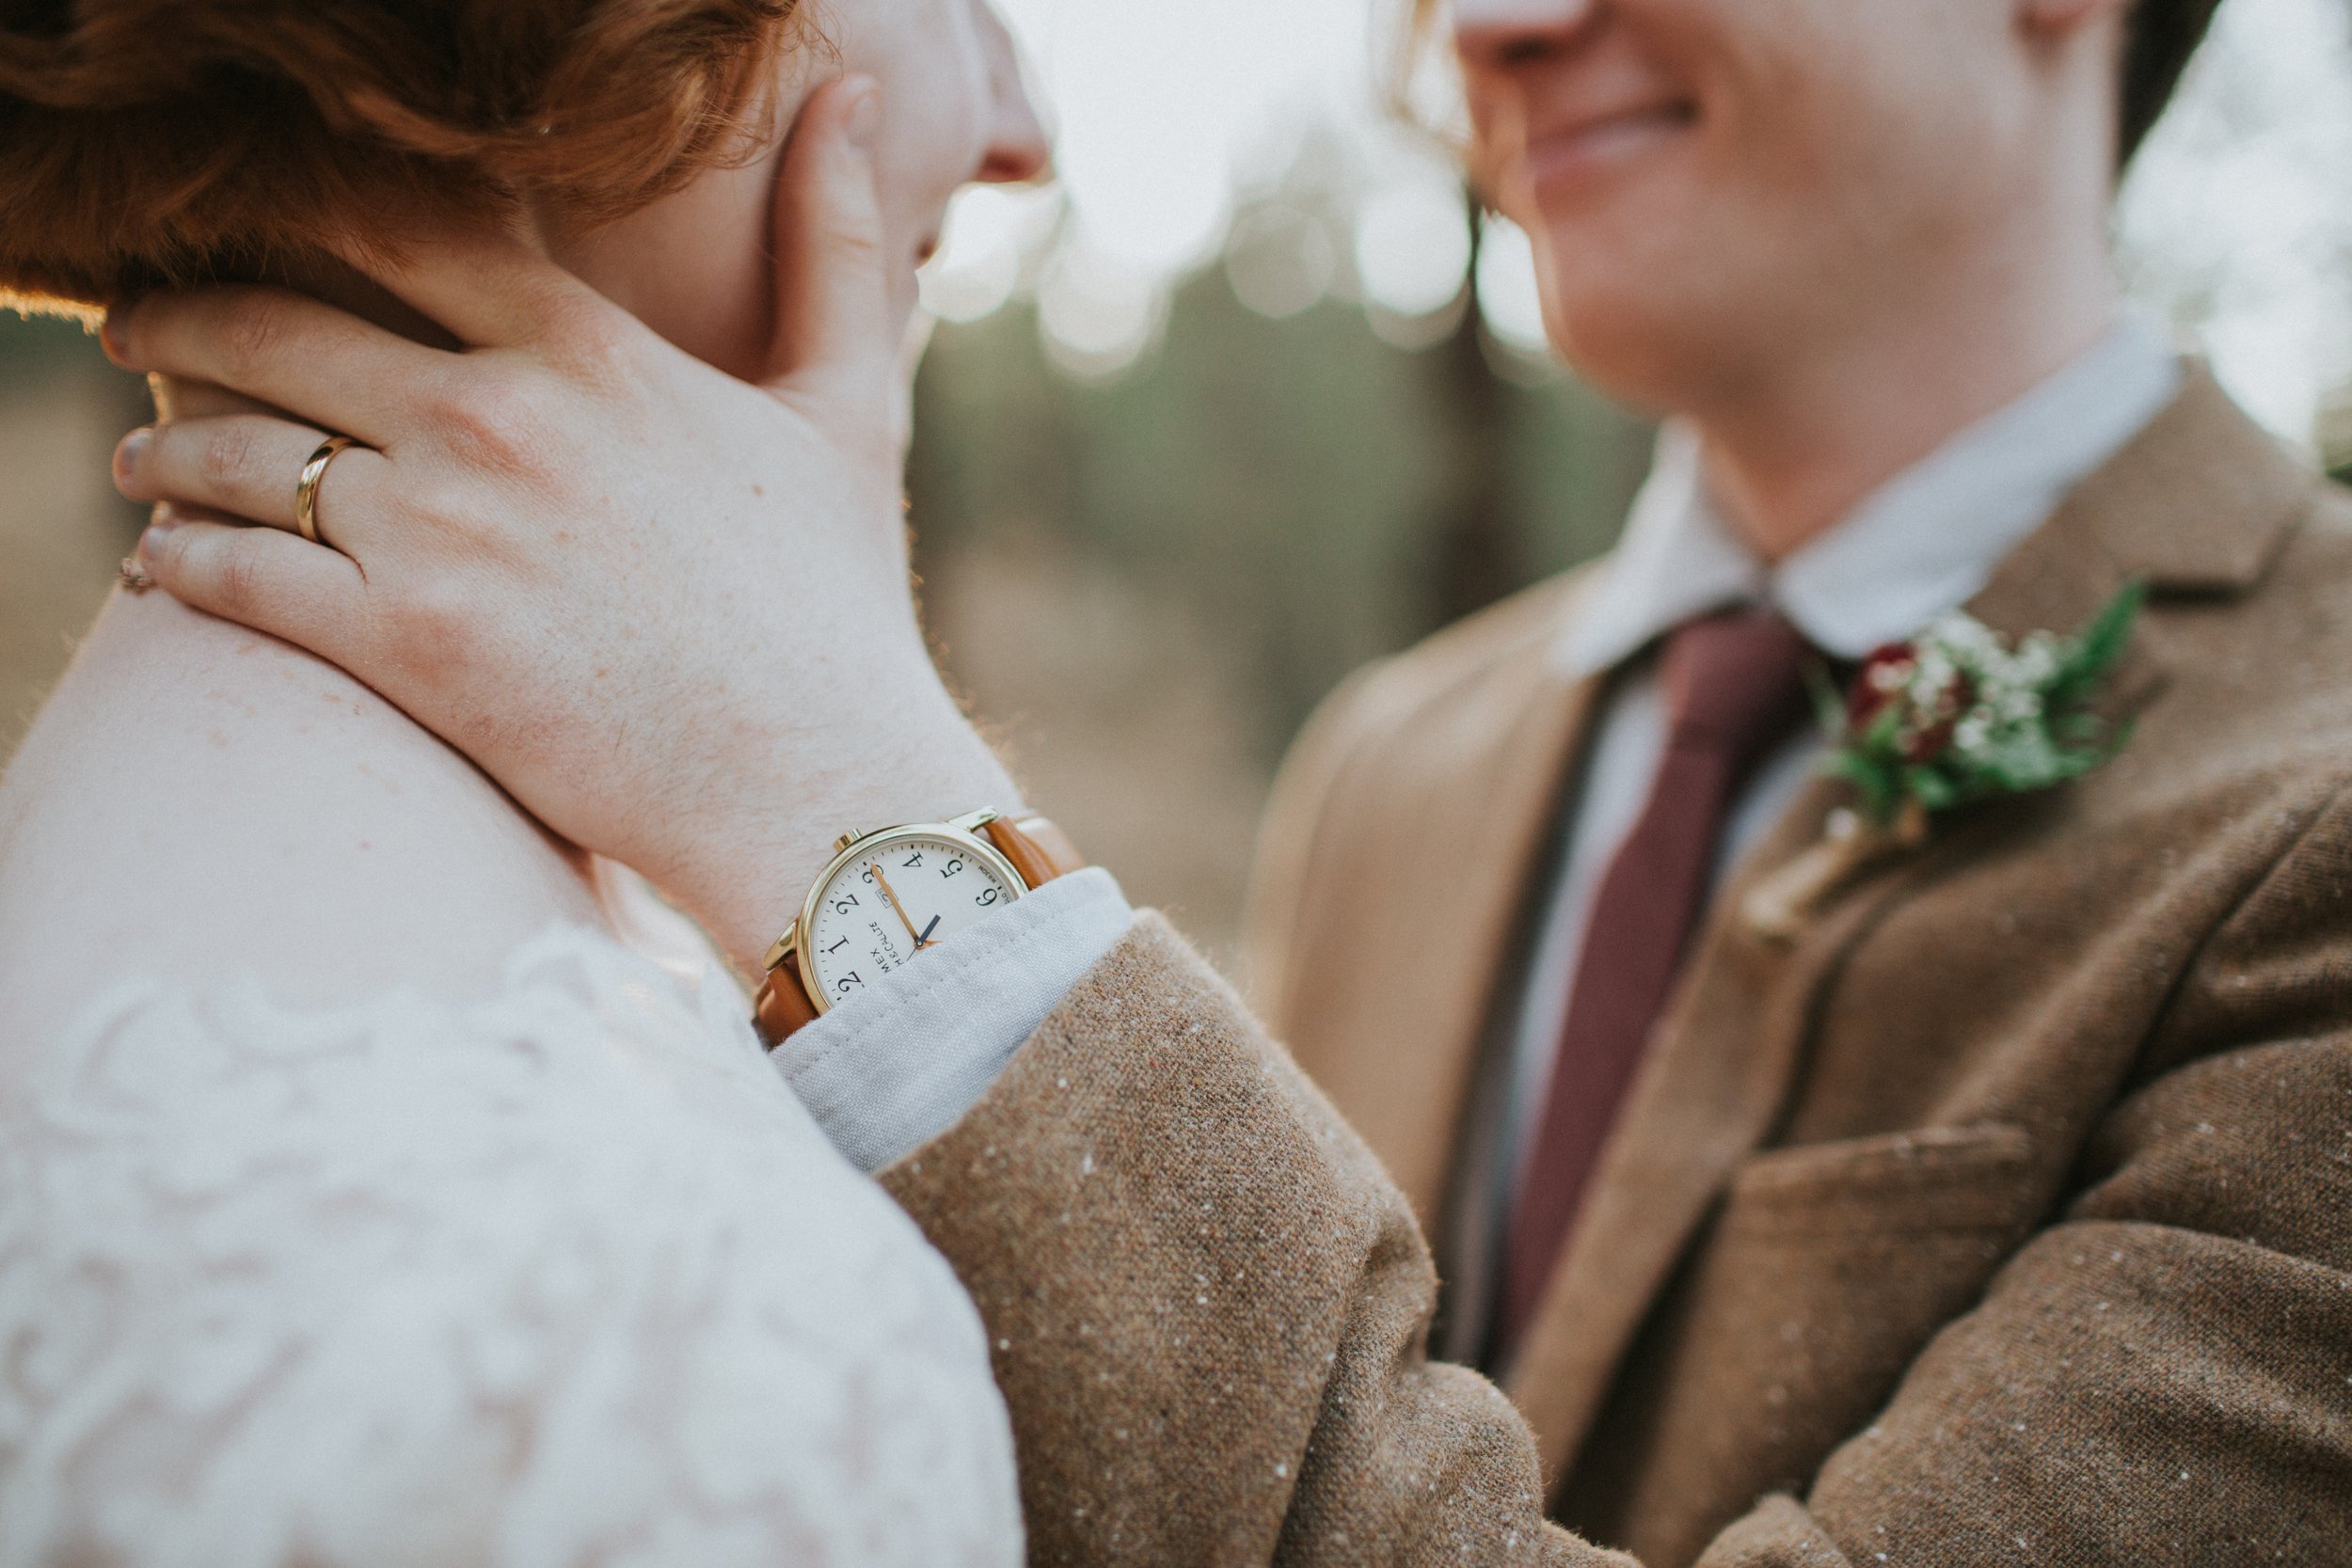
(889,1070)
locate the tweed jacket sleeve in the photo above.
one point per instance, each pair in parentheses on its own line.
(1207,1302)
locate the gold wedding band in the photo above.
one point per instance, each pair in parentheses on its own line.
(306,488)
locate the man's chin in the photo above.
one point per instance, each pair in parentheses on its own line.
(1643,347)
(1635,270)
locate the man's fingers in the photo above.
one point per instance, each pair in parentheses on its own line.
(248,466)
(260,578)
(282,349)
(837,340)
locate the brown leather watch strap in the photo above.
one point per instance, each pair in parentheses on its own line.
(1039,851)
(783,1007)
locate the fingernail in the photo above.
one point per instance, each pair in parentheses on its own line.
(114,331)
(132,450)
(152,539)
(866,112)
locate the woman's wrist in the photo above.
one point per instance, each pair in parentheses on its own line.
(751,864)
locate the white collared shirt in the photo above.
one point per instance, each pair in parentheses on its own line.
(1923,544)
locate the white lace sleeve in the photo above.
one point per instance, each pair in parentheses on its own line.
(563,1277)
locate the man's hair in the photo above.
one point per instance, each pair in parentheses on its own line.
(2163,35)
(148,141)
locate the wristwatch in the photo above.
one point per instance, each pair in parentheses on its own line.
(887,896)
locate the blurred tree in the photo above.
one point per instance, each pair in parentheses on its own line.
(1476,550)
(62,527)
(1317,495)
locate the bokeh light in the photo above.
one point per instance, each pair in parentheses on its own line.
(1412,244)
(1507,293)
(991,232)
(1098,309)
(1280,261)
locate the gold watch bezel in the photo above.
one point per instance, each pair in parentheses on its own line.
(964,832)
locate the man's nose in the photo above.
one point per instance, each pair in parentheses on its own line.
(1505,32)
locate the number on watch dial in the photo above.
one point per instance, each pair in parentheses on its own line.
(887,905)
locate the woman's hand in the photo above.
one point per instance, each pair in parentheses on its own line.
(668,610)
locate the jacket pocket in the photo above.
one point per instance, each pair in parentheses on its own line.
(1980,1178)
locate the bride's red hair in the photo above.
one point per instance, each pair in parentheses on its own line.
(144,141)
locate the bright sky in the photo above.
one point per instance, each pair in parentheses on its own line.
(2238,223)
(1156,103)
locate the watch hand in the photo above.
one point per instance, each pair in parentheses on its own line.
(884,883)
(924,938)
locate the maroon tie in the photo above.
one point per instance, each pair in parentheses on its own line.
(1734,685)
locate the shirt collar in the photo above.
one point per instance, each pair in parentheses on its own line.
(1922,545)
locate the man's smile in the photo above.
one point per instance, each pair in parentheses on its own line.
(1575,149)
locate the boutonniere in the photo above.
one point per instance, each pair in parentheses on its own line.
(1954,716)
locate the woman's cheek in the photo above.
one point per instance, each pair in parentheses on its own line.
(936,98)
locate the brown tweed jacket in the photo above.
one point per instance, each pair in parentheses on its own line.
(2003,1217)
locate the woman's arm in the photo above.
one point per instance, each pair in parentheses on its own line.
(667,610)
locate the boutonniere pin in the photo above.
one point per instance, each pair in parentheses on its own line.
(1952,717)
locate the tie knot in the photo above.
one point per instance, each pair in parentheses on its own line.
(1734,681)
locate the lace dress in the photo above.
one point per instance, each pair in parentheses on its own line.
(563,1277)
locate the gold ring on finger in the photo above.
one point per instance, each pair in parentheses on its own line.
(306,488)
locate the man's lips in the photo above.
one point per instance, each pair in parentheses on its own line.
(1584,147)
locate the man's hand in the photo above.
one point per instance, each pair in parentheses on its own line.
(668,610)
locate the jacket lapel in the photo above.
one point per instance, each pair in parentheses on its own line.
(1420,870)
(2199,503)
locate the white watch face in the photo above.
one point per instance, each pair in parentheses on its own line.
(897,898)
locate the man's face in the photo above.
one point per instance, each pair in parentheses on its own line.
(1713,184)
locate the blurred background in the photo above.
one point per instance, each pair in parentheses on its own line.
(1251,394)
